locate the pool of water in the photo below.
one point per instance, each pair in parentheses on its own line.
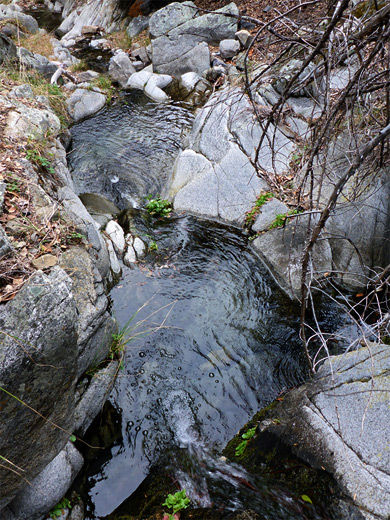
(220,342)
(211,339)
(127,150)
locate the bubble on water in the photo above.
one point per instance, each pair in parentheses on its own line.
(211,374)
(142,354)
(138,428)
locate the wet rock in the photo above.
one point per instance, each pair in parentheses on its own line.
(268,214)
(14,13)
(121,68)
(91,401)
(229,48)
(116,234)
(50,486)
(130,256)
(83,103)
(139,248)
(137,25)
(339,423)
(42,317)
(44,262)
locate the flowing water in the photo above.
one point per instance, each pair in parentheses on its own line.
(213,340)
(127,151)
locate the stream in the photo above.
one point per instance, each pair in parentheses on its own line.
(211,338)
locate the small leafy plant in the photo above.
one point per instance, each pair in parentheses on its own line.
(40,160)
(158,207)
(261,200)
(59,508)
(176,502)
(243,444)
(153,246)
(281,218)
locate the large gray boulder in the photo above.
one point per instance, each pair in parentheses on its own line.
(358,229)
(340,422)
(281,249)
(180,36)
(214,176)
(83,103)
(23,120)
(14,13)
(38,359)
(36,61)
(120,68)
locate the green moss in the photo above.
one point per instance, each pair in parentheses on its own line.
(260,201)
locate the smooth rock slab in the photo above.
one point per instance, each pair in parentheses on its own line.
(340,421)
(83,103)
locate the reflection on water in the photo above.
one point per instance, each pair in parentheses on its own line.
(221,347)
(127,150)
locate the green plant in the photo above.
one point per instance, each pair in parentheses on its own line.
(74,235)
(243,444)
(281,218)
(158,207)
(58,509)
(176,502)
(153,246)
(260,201)
(40,160)
(13,186)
